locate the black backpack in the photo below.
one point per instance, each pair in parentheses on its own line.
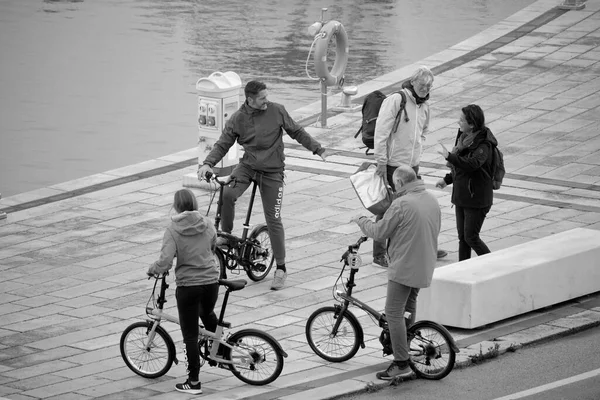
(370,111)
(498,170)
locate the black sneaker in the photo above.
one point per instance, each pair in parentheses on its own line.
(441,254)
(187,387)
(381,261)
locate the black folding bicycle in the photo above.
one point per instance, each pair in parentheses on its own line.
(252,252)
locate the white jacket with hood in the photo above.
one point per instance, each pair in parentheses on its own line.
(404,146)
(191,238)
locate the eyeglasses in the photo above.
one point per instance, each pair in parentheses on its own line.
(424,86)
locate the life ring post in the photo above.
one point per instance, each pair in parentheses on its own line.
(323,103)
(335,76)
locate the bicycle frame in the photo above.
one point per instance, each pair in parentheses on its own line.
(157,314)
(347,295)
(246,225)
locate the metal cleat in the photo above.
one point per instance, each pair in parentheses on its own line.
(572,5)
(346,103)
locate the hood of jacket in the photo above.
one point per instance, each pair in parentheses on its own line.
(246,109)
(485,135)
(416,186)
(189,223)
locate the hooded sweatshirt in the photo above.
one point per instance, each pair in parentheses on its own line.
(191,238)
(260,133)
(405,145)
(471,171)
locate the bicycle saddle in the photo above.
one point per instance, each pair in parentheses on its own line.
(233,285)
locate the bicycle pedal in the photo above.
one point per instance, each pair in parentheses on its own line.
(260,267)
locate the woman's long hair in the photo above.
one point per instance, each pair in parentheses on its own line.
(184,200)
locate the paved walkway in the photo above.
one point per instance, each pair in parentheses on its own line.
(73,255)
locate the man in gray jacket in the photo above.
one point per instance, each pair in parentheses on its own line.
(412,225)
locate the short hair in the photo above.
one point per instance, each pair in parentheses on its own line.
(422,74)
(474,116)
(404,173)
(184,200)
(253,88)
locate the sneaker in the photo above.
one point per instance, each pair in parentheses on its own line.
(278,279)
(441,254)
(381,261)
(187,387)
(394,371)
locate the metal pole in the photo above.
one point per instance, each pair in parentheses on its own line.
(323,104)
(2,213)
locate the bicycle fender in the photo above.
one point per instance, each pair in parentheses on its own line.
(170,343)
(443,329)
(359,330)
(255,229)
(250,331)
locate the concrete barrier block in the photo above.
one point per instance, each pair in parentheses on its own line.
(513,281)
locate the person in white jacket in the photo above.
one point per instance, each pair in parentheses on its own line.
(404,146)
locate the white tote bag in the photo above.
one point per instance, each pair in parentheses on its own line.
(371,189)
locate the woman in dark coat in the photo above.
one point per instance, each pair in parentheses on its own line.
(470,163)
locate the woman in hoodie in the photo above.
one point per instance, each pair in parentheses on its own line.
(470,163)
(191,238)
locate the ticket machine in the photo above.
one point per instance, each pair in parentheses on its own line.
(218,99)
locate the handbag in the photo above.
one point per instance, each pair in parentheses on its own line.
(371,189)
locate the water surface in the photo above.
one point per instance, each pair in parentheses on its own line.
(87,86)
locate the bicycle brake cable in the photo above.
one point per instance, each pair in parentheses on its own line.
(334,289)
(211,202)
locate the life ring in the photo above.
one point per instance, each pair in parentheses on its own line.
(336,75)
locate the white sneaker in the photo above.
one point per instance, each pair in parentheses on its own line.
(278,279)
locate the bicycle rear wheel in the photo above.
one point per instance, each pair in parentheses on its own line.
(256,357)
(259,254)
(147,360)
(220,260)
(430,349)
(334,348)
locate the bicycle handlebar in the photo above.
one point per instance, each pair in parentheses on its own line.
(212,176)
(353,248)
(360,241)
(158,276)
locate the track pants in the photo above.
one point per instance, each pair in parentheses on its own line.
(270,185)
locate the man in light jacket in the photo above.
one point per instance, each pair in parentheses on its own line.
(405,144)
(412,225)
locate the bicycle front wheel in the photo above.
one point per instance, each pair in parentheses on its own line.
(256,357)
(430,350)
(334,348)
(149,360)
(259,254)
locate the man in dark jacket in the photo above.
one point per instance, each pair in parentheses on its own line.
(470,163)
(258,127)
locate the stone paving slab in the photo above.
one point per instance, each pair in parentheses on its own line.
(74,255)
